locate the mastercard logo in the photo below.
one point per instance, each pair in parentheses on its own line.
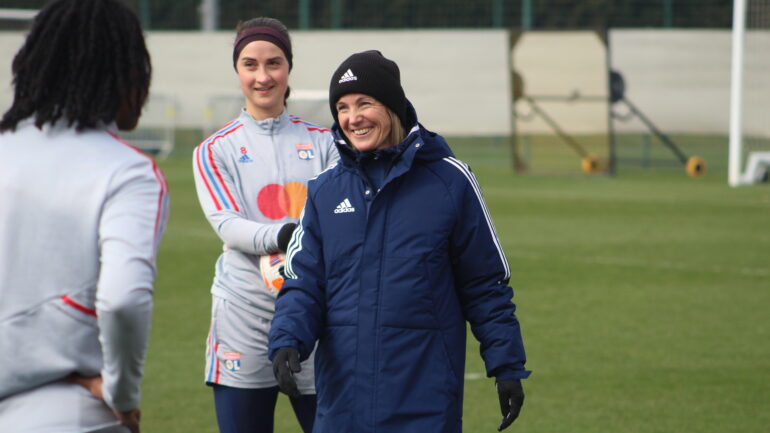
(279,201)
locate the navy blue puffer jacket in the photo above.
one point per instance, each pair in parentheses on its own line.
(384,281)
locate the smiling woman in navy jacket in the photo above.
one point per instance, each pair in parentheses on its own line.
(395,251)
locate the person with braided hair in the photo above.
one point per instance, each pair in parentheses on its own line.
(81,217)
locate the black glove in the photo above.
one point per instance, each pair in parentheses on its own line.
(284,236)
(511,399)
(285,364)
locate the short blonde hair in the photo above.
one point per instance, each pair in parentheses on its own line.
(397,133)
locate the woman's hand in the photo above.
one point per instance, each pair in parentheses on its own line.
(93,384)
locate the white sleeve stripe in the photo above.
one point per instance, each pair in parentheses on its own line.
(323,171)
(295,246)
(477,189)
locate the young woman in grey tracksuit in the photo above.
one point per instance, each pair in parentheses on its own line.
(251,178)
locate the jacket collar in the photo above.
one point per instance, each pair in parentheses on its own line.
(266,126)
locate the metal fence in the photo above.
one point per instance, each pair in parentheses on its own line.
(395,14)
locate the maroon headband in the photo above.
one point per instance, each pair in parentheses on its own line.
(263,33)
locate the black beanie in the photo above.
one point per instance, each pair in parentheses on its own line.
(370,73)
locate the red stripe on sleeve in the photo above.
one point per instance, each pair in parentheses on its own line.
(205,179)
(200,157)
(161,179)
(218,174)
(161,197)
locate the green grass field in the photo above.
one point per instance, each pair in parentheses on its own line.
(643,299)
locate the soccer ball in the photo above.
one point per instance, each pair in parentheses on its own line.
(269,265)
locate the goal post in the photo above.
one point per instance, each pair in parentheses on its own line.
(736,92)
(749,139)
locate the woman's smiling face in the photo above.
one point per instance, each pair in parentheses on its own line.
(263,71)
(364,121)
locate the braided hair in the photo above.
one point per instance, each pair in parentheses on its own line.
(84,62)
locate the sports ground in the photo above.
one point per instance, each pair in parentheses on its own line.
(643,299)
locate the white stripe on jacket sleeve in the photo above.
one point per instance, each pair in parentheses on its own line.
(295,246)
(465,170)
